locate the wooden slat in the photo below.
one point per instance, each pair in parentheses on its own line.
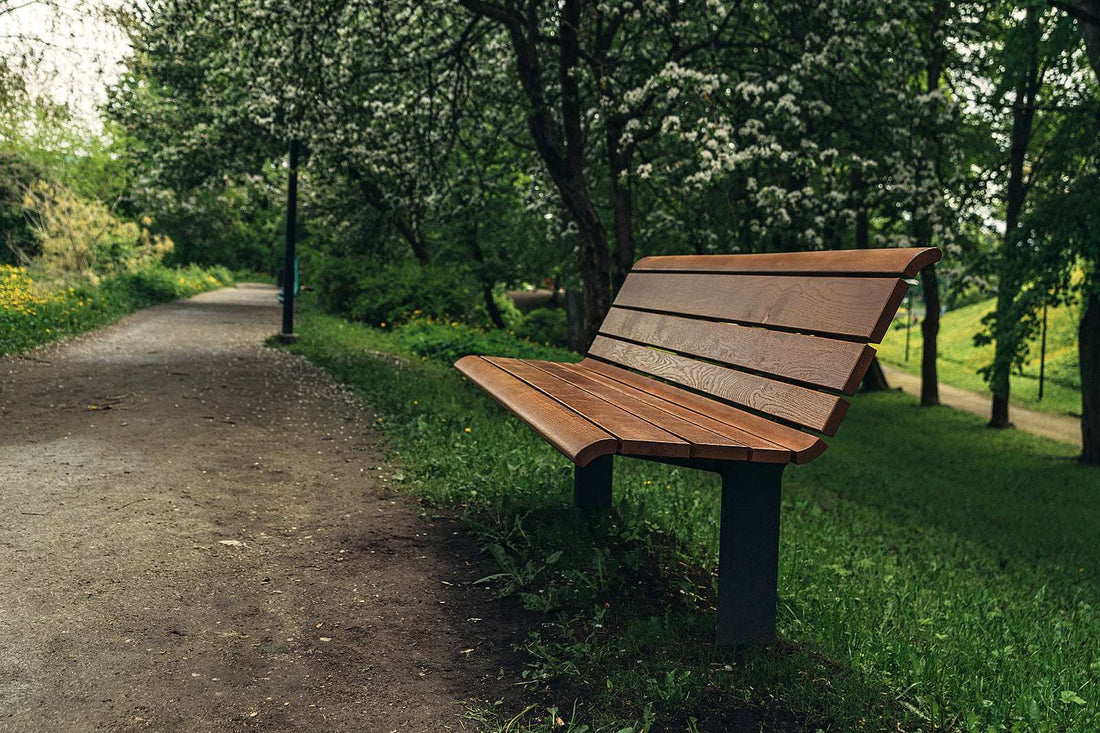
(577,438)
(871,262)
(814,410)
(759,449)
(703,442)
(823,362)
(635,435)
(853,307)
(804,447)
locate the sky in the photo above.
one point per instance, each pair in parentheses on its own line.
(81,50)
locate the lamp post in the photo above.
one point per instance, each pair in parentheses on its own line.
(1043,355)
(289,273)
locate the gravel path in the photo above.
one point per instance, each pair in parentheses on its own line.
(196,534)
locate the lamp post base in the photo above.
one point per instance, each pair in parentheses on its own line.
(287,338)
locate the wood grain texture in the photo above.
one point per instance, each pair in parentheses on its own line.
(851,307)
(799,405)
(578,439)
(896,262)
(759,449)
(822,362)
(804,447)
(703,443)
(635,435)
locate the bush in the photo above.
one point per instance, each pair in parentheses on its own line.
(449,342)
(32,314)
(546,326)
(81,239)
(394,293)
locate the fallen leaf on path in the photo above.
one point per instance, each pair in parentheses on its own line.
(232,543)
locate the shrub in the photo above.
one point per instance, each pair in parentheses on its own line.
(448,342)
(82,239)
(384,295)
(544,325)
(31,314)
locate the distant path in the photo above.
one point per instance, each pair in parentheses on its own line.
(196,534)
(1057,427)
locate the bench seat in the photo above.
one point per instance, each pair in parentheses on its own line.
(592,409)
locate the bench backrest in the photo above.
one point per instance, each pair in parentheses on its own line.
(779,334)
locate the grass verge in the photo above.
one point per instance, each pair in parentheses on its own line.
(31,315)
(960,360)
(934,575)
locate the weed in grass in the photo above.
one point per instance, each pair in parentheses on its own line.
(934,575)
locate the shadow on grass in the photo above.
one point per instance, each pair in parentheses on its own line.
(1024,497)
(632,639)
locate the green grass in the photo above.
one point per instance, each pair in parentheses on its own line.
(934,575)
(960,359)
(31,316)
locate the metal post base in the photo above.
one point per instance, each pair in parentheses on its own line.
(748,556)
(592,484)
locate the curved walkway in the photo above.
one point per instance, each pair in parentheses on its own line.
(196,534)
(1062,428)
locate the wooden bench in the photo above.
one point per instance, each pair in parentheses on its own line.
(721,363)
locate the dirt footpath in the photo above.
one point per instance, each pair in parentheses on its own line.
(196,533)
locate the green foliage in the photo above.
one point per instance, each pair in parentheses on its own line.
(915,594)
(509,313)
(387,294)
(448,342)
(31,315)
(961,360)
(544,325)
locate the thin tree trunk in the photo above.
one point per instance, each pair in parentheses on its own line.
(930,331)
(474,243)
(1023,114)
(875,379)
(618,161)
(1088,345)
(1088,335)
(930,287)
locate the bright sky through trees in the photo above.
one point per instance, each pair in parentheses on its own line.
(77,50)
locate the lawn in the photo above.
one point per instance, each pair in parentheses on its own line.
(960,359)
(934,575)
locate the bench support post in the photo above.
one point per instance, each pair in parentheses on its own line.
(748,556)
(592,483)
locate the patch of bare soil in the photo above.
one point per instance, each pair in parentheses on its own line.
(198,533)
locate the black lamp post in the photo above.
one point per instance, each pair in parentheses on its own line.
(289,269)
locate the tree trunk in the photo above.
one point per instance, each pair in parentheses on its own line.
(618,161)
(930,332)
(594,263)
(1088,345)
(875,379)
(930,287)
(1005,331)
(487,283)
(408,230)
(1089,23)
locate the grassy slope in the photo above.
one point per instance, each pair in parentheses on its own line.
(960,359)
(933,574)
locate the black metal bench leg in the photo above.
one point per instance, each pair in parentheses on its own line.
(748,557)
(592,484)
